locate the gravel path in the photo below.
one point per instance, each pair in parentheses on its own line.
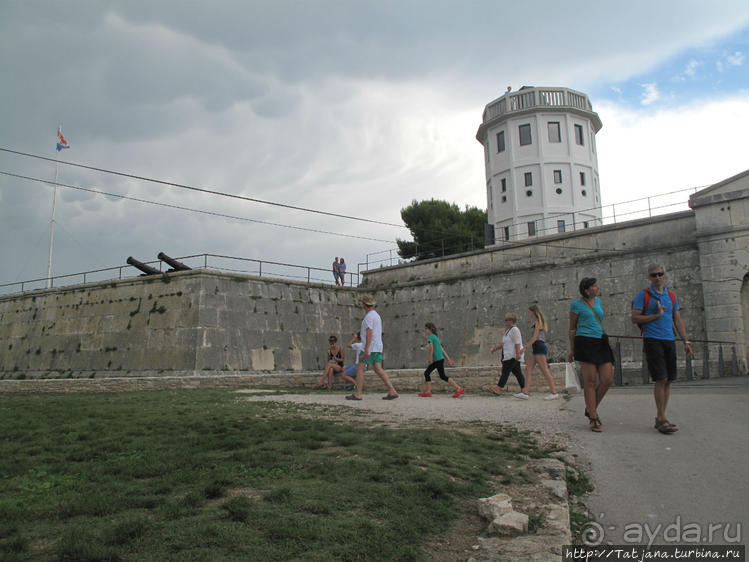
(550,418)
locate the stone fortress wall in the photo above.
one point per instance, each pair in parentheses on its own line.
(205,321)
(705,251)
(188,321)
(467,296)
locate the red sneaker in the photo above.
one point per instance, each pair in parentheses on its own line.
(460,392)
(425,394)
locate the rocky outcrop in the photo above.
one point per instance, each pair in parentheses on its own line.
(508,535)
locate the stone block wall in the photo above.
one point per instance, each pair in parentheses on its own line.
(119,325)
(467,296)
(187,321)
(258,324)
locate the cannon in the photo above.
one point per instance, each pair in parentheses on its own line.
(176,265)
(146,269)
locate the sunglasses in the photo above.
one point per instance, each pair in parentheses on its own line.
(657,274)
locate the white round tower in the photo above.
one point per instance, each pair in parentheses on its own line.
(541,163)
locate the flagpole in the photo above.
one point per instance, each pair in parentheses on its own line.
(52,229)
(52,232)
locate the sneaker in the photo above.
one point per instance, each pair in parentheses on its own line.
(460,392)
(551,397)
(425,394)
(521,396)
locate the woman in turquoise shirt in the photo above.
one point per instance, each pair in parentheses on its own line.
(589,346)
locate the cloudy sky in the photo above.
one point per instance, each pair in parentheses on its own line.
(347,107)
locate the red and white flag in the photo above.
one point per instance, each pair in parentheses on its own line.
(61,142)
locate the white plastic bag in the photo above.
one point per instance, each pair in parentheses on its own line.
(571,384)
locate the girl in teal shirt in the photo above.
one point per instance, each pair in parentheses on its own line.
(436,357)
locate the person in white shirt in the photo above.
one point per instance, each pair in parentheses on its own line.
(512,343)
(358,347)
(371,331)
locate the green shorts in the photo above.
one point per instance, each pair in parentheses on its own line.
(374,357)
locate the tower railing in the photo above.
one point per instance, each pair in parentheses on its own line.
(536,97)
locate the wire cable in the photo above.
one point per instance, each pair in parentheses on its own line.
(192,210)
(219,193)
(197,189)
(280,225)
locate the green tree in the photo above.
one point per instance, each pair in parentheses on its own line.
(440,228)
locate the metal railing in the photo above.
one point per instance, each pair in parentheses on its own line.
(614,213)
(261,268)
(712,358)
(432,249)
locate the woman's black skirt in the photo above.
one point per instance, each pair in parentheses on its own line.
(593,350)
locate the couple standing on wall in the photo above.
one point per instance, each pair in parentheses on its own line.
(339,272)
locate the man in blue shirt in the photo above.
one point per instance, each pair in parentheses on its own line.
(656,309)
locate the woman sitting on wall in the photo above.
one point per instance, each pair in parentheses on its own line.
(334,365)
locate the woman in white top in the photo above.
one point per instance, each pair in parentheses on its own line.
(512,343)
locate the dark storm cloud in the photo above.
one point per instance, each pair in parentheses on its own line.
(348,106)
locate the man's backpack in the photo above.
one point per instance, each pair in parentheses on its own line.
(646,303)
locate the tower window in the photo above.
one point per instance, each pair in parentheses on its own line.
(504,199)
(501,141)
(559,190)
(557,176)
(504,185)
(555,134)
(582,178)
(579,135)
(528,178)
(586,224)
(560,226)
(585,193)
(507,233)
(525,134)
(531,228)
(529,193)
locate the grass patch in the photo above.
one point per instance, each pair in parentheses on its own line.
(202,475)
(536,522)
(578,485)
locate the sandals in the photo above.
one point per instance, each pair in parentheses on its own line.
(587,415)
(595,425)
(665,426)
(491,390)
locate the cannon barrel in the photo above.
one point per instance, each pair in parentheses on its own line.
(176,265)
(146,269)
